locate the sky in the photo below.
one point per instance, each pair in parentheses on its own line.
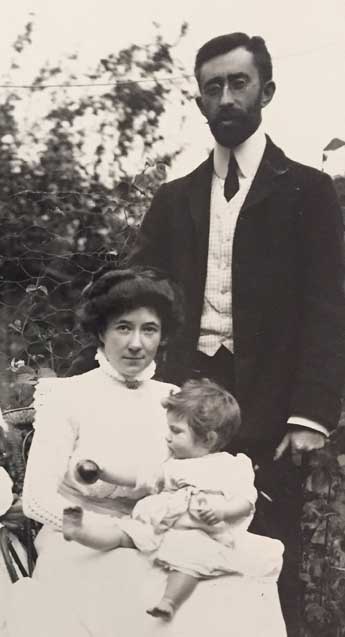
(305,37)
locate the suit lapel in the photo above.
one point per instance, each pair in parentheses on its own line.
(274,164)
(199,205)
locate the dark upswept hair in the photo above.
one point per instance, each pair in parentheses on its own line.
(225,43)
(115,291)
(206,406)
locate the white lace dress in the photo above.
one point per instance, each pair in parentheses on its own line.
(83,592)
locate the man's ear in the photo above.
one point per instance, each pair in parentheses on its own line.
(267,93)
(200,105)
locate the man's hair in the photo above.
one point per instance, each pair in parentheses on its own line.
(206,407)
(225,43)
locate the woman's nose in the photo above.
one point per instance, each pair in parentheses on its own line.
(135,341)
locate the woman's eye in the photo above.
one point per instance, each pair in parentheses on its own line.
(123,328)
(150,330)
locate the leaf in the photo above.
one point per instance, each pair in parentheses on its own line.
(16,326)
(122,189)
(15,365)
(320,480)
(341,460)
(161,170)
(36,288)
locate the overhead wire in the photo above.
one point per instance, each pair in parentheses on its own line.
(123,82)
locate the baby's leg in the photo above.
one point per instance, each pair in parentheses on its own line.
(101,538)
(179,587)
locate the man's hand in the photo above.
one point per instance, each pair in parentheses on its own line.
(299,440)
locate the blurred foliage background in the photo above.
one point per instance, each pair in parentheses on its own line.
(75,181)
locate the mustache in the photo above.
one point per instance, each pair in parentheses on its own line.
(227,113)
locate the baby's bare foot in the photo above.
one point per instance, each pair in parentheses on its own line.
(165,609)
(72,522)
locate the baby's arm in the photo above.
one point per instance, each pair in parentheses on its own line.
(239,494)
(125,475)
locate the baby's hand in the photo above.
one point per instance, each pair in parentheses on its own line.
(179,483)
(208,508)
(211,515)
(87,471)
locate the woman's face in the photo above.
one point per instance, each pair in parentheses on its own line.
(131,340)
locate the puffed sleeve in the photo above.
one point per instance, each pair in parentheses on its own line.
(52,446)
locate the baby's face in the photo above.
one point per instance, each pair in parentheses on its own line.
(182,441)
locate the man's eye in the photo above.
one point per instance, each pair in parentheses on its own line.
(213,90)
(239,84)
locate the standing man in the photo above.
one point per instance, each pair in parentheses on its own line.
(256,242)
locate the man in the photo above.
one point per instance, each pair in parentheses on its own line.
(256,242)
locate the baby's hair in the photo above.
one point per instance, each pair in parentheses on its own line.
(206,407)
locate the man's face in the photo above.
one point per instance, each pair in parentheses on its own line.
(232,96)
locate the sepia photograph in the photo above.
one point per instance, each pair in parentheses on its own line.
(172,306)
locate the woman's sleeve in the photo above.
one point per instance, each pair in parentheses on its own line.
(52,446)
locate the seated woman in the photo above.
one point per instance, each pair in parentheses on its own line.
(111,414)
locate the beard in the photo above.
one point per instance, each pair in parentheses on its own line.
(231,127)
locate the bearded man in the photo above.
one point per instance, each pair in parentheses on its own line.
(256,242)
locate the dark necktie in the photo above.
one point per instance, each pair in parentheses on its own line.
(231,184)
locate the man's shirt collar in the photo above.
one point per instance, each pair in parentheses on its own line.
(248,155)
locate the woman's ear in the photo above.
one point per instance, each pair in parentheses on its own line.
(163,341)
(100,337)
(212,440)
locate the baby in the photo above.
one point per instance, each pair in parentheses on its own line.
(195,523)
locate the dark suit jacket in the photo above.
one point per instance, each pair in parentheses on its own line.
(287,288)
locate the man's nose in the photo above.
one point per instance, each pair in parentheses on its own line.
(227,96)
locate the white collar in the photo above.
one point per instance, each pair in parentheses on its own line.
(108,369)
(248,155)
